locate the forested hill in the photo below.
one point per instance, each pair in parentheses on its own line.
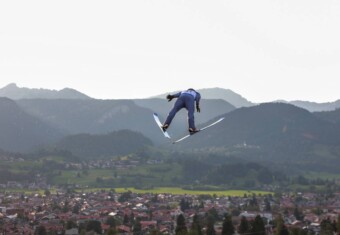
(102,116)
(210,108)
(21,131)
(275,131)
(87,146)
(92,116)
(331,116)
(273,122)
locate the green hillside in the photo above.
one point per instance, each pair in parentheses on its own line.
(87,146)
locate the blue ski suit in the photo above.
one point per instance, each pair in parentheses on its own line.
(185,99)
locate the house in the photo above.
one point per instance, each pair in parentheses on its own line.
(148,225)
(124,229)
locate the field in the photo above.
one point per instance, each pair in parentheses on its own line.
(180,191)
(142,175)
(161,190)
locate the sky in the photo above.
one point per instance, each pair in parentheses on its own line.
(264,50)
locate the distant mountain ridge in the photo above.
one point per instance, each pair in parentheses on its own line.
(227,95)
(218,93)
(313,106)
(12,91)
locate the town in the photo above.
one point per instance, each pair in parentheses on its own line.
(73,212)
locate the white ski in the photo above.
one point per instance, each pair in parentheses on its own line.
(159,124)
(184,137)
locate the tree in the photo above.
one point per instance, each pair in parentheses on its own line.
(71,224)
(267,205)
(181,228)
(281,228)
(184,204)
(40,230)
(196,228)
(132,218)
(338,225)
(298,215)
(111,231)
(298,231)
(76,209)
(201,205)
(47,192)
(155,232)
(82,232)
(279,223)
(94,225)
(65,207)
(124,197)
(253,201)
(154,199)
(236,211)
(210,225)
(253,204)
(126,219)
(137,228)
(228,227)
(258,226)
(326,227)
(244,226)
(284,230)
(213,213)
(111,221)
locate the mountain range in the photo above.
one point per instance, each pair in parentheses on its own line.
(219,93)
(277,132)
(14,92)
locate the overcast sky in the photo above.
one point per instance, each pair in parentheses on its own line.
(264,50)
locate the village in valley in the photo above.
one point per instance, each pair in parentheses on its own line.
(36,207)
(72,212)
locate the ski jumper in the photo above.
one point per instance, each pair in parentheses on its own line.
(185,99)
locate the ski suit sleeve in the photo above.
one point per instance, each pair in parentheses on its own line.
(197,99)
(170,97)
(177,94)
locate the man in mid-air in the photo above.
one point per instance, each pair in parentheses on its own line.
(185,99)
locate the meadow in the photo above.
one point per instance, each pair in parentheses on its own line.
(180,191)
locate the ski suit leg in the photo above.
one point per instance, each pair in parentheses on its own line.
(179,104)
(190,106)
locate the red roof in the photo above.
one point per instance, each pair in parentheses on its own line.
(124,228)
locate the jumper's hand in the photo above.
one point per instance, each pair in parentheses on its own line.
(198,109)
(169,97)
